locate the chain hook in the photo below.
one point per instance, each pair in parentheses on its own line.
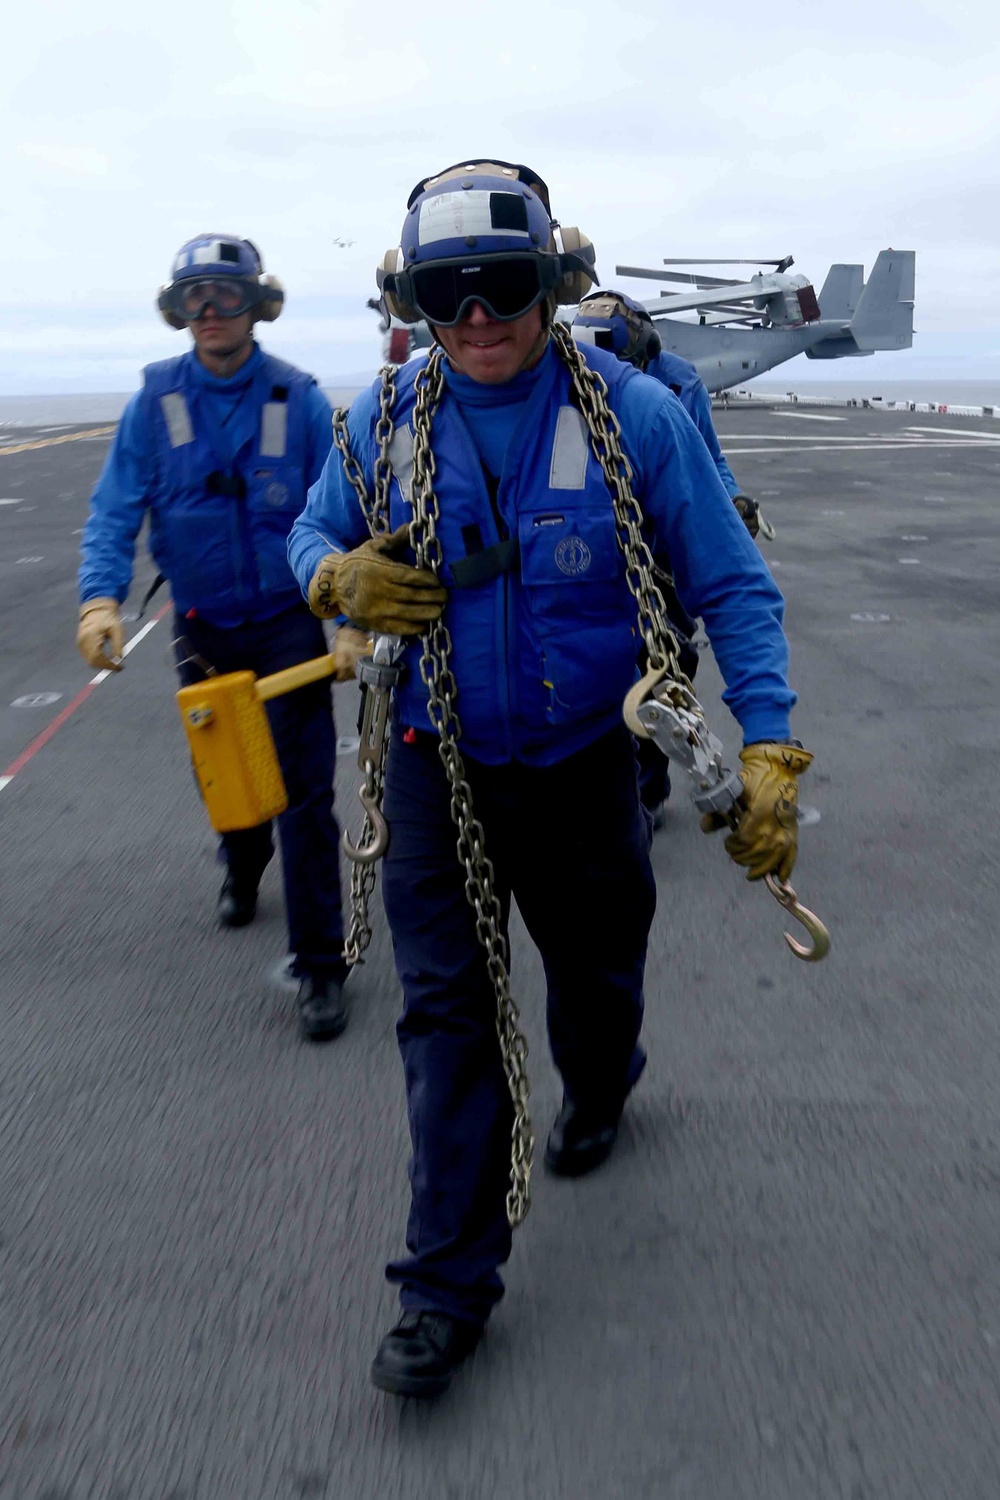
(786,897)
(368,852)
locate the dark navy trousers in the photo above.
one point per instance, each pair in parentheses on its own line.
(571,844)
(305,739)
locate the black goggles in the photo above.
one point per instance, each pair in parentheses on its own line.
(507,286)
(229,296)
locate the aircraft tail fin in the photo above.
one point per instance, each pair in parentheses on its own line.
(884,315)
(841,293)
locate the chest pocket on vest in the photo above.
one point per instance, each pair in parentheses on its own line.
(572,547)
(581,614)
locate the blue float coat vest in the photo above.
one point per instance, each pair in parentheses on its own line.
(551,642)
(219,525)
(677,373)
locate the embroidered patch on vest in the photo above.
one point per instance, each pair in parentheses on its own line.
(177,418)
(274,429)
(570,451)
(572,555)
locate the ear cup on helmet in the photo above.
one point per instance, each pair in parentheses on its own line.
(391,263)
(653,346)
(170,318)
(576,283)
(270,306)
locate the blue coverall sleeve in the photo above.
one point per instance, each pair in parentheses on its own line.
(319,433)
(718,571)
(332,520)
(700,408)
(117,506)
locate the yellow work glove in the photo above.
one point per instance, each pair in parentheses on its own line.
(766,838)
(100,635)
(374,590)
(349,645)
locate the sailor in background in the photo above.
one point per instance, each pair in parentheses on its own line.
(219,447)
(620,324)
(543,644)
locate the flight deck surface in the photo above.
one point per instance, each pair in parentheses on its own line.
(785,1284)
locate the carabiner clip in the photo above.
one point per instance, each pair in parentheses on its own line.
(786,897)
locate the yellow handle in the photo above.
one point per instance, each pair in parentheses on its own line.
(295,677)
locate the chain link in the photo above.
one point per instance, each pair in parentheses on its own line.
(442,689)
(376,514)
(640,570)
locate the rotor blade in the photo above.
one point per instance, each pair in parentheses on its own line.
(638,271)
(684,301)
(698,280)
(781,261)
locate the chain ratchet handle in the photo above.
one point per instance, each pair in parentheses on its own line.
(686,738)
(378,673)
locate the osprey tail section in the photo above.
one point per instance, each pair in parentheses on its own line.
(884,319)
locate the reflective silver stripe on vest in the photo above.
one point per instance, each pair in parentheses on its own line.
(274,429)
(568,470)
(177,418)
(401,458)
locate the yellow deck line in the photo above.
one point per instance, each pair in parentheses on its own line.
(69,437)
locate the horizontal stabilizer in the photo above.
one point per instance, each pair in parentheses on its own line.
(841,293)
(884,316)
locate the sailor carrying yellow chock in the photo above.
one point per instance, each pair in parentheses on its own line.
(218,448)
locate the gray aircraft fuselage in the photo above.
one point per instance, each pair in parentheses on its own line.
(725,357)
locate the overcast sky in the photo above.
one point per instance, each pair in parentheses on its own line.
(826,132)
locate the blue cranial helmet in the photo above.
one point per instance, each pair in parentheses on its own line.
(227,264)
(619,324)
(482,232)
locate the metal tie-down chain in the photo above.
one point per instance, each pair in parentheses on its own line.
(442,692)
(662,705)
(665,677)
(373,745)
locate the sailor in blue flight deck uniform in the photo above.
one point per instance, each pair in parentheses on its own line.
(219,447)
(543,636)
(620,324)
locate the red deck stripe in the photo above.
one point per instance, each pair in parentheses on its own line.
(49,731)
(41,740)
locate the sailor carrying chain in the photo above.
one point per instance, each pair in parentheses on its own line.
(673,692)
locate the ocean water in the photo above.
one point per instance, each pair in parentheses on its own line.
(38,411)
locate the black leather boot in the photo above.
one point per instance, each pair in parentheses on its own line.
(322,1012)
(421,1354)
(581,1138)
(237,903)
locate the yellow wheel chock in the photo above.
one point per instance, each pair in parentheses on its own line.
(231,743)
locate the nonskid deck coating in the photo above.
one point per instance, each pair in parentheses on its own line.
(784,1285)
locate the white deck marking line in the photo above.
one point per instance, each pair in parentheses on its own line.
(805,416)
(910,447)
(967,432)
(47,733)
(917,440)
